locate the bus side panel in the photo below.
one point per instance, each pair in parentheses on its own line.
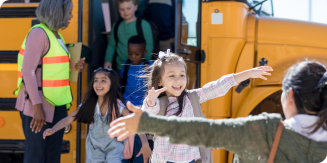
(222,61)
(13,32)
(222,44)
(245,62)
(281,57)
(9,77)
(12,127)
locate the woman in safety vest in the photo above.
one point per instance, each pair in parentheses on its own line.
(43,89)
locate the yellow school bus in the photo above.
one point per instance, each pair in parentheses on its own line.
(215,37)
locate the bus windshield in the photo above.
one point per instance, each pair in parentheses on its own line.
(263,7)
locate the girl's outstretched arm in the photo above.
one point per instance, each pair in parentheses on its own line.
(256,72)
(61,124)
(221,86)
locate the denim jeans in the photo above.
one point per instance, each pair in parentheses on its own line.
(39,150)
(136,150)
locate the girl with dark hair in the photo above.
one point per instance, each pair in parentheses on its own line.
(303,139)
(102,104)
(168,78)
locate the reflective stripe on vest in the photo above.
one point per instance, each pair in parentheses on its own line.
(55,70)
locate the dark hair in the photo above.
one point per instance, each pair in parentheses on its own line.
(86,111)
(137,40)
(303,78)
(155,75)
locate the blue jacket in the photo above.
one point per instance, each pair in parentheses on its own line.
(135,89)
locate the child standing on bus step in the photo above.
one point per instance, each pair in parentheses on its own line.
(133,84)
(129,26)
(168,77)
(102,104)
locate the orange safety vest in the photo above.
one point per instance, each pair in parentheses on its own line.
(55,71)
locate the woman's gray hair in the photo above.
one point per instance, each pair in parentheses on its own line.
(54,13)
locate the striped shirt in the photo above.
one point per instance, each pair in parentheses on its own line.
(163,150)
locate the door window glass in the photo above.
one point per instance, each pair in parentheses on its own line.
(190,10)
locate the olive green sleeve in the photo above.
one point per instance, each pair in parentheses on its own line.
(246,137)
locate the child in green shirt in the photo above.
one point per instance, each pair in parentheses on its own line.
(126,29)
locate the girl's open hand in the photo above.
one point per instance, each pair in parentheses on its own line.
(126,126)
(48,132)
(258,72)
(153,95)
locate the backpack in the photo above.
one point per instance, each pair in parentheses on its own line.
(125,75)
(139,33)
(206,155)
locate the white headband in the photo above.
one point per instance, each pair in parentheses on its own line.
(163,54)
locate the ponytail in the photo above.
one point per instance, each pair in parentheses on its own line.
(308,80)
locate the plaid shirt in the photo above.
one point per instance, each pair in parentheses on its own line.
(163,150)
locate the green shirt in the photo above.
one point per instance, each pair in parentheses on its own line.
(250,138)
(126,31)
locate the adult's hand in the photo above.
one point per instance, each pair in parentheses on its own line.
(107,64)
(79,65)
(126,126)
(38,119)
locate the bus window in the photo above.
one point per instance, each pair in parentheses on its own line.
(189,20)
(23,1)
(266,7)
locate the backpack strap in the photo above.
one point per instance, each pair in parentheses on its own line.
(163,101)
(163,105)
(114,64)
(205,153)
(139,27)
(125,75)
(195,101)
(274,147)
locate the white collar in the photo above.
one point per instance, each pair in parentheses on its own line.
(97,111)
(302,123)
